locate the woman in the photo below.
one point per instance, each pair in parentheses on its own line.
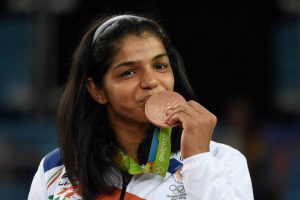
(106,141)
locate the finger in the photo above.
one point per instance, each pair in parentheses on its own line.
(210,117)
(181,108)
(201,109)
(197,106)
(195,111)
(178,118)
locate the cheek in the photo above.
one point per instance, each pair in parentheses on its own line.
(113,90)
(172,82)
(120,94)
(168,81)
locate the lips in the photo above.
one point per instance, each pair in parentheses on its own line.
(145,99)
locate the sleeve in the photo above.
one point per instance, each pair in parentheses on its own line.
(38,189)
(208,177)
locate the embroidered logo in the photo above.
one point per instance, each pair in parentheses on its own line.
(177,190)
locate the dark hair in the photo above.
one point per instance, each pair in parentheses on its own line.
(86,140)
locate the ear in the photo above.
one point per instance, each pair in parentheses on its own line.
(96,93)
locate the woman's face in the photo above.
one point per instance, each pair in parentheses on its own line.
(139,69)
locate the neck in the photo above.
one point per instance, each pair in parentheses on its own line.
(129,135)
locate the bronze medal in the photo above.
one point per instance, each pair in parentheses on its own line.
(158,104)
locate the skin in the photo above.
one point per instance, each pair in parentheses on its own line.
(139,69)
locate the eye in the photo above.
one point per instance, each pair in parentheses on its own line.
(160,66)
(127,74)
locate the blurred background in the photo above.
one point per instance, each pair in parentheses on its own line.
(243,58)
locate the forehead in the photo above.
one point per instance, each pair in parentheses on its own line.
(134,45)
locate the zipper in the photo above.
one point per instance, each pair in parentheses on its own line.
(123,192)
(125,181)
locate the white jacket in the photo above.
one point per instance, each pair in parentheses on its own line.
(221,174)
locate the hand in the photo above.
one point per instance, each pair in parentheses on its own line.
(198,125)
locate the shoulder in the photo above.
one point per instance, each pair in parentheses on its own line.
(219,151)
(223,152)
(52,160)
(48,173)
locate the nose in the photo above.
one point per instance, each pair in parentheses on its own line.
(149,80)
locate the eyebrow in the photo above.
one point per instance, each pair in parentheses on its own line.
(129,63)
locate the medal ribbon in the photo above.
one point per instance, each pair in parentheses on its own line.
(158,159)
